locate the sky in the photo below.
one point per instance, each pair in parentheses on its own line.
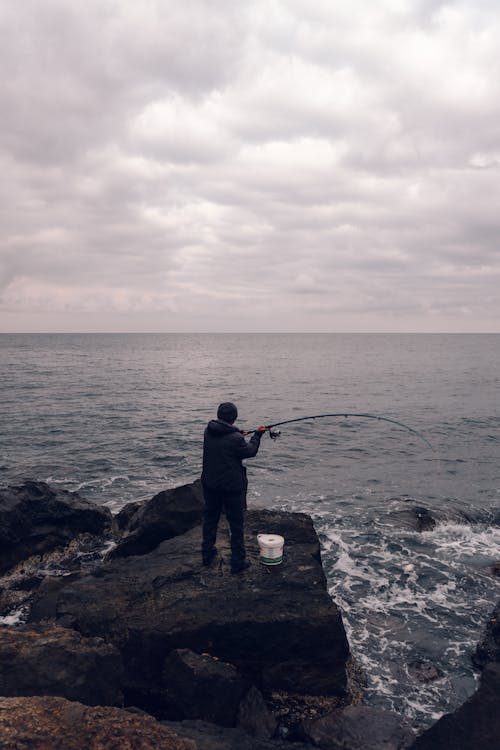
(269,165)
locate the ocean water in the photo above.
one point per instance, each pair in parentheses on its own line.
(119,417)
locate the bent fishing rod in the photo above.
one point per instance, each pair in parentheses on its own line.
(273,434)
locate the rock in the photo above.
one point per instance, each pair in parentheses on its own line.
(167,514)
(415,518)
(424,671)
(50,723)
(18,586)
(255,717)
(474,725)
(423,519)
(488,651)
(213,737)
(34,519)
(406,514)
(124,517)
(358,728)
(48,593)
(291,710)
(496,568)
(277,626)
(199,686)
(50,660)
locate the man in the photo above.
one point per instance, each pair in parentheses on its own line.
(224,482)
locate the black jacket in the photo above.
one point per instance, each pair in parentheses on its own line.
(224,448)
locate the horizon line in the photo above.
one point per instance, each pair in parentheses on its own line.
(252,333)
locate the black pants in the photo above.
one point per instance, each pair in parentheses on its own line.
(233,504)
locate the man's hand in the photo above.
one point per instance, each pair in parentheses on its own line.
(261,429)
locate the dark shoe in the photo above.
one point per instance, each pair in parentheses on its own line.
(235,569)
(207,559)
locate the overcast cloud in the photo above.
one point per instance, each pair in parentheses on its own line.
(270,165)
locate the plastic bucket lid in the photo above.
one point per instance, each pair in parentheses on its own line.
(270,540)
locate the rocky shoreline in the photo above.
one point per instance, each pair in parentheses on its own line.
(123,639)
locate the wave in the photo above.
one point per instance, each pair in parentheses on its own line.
(410,597)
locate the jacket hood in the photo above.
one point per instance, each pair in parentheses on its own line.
(217,427)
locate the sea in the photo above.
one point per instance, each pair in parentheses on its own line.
(119,417)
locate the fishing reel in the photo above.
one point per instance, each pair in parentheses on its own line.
(274,434)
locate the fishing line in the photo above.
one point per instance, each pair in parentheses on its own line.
(274,435)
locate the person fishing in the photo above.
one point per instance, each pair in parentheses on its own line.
(224,483)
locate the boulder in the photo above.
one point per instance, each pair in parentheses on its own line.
(50,723)
(199,686)
(424,671)
(254,715)
(278,626)
(424,519)
(412,517)
(406,513)
(50,660)
(488,651)
(124,517)
(167,514)
(35,518)
(358,728)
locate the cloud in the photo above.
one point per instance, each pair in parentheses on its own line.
(204,162)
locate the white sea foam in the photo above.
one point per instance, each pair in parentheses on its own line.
(409,596)
(102,482)
(15,617)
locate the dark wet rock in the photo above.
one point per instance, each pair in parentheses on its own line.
(496,568)
(213,737)
(476,724)
(124,517)
(29,583)
(50,723)
(407,513)
(199,686)
(35,518)
(424,519)
(50,660)
(48,594)
(267,622)
(488,651)
(291,710)
(424,671)
(359,728)
(166,515)
(416,518)
(254,715)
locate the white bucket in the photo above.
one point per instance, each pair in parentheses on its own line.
(271,548)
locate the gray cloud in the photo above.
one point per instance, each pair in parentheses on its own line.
(173,166)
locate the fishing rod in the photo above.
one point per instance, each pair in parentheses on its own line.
(273,434)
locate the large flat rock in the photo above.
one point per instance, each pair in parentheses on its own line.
(277,625)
